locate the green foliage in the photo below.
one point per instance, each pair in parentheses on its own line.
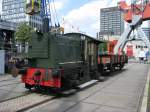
(23,33)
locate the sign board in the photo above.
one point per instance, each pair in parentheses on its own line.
(2,61)
(129,50)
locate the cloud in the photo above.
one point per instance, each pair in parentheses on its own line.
(114,2)
(0,6)
(87,17)
(58,5)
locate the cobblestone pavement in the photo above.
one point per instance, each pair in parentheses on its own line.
(23,102)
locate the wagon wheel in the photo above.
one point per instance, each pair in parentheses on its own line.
(121,66)
(97,75)
(112,68)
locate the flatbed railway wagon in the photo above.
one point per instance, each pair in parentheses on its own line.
(107,60)
(60,61)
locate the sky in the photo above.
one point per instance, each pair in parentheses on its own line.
(0,6)
(81,15)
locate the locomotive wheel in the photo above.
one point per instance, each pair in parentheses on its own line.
(68,83)
(101,69)
(98,76)
(95,75)
(38,88)
(28,86)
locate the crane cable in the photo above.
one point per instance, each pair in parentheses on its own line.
(56,13)
(53,13)
(49,13)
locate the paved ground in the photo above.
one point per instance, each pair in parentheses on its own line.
(119,93)
(11,87)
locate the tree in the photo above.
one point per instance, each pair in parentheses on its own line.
(23,33)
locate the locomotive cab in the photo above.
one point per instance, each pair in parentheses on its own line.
(33,6)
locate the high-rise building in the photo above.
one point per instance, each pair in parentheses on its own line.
(111,21)
(147,32)
(14,11)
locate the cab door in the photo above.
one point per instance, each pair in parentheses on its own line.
(92,55)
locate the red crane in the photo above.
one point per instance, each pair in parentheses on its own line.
(134,15)
(135,9)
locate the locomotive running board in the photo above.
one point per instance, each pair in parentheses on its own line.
(69,92)
(87,84)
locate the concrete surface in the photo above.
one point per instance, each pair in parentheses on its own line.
(11,87)
(119,93)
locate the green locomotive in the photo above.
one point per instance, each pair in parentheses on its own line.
(64,61)
(61,61)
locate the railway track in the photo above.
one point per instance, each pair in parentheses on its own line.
(9,80)
(25,102)
(16,82)
(8,88)
(8,99)
(5,77)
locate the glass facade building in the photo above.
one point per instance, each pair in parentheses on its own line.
(147,32)
(14,11)
(111,21)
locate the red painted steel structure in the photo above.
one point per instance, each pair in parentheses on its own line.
(138,9)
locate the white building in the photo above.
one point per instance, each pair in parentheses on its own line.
(111,22)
